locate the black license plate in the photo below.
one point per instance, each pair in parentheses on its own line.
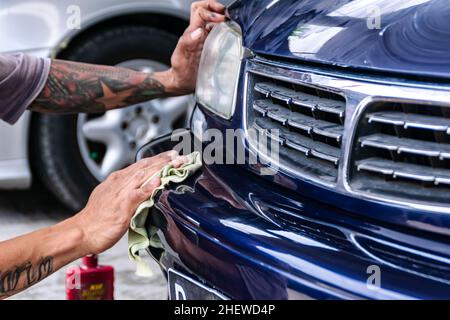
(182,287)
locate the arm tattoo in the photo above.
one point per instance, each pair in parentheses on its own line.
(77,87)
(10,279)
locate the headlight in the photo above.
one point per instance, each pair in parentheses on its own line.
(219,69)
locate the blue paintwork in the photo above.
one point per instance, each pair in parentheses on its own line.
(253,237)
(222,239)
(413,39)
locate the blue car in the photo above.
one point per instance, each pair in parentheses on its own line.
(355,203)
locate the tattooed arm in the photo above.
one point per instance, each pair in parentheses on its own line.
(76,87)
(26,260)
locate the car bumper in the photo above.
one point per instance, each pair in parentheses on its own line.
(267,243)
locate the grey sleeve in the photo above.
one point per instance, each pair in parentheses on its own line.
(22,78)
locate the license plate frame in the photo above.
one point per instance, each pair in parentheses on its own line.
(183,287)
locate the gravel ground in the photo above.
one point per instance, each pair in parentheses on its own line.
(23,212)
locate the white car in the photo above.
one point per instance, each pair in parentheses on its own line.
(70,154)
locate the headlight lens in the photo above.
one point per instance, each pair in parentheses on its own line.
(219,69)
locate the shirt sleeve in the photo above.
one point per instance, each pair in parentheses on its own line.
(22,78)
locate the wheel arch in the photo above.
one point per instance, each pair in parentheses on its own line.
(174,22)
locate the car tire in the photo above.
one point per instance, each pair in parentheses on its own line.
(55,151)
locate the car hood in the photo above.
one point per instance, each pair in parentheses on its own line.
(405,36)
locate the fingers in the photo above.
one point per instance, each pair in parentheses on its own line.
(179,161)
(139,178)
(197,34)
(216,6)
(204,12)
(148,188)
(138,196)
(204,16)
(212,5)
(191,44)
(147,162)
(172,154)
(137,170)
(209,26)
(209,16)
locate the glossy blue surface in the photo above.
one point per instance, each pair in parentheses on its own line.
(413,37)
(279,237)
(230,243)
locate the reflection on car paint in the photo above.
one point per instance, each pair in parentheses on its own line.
(413,37)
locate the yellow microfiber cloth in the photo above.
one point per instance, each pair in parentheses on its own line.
(138,238)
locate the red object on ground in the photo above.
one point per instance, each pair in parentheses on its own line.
(90,281)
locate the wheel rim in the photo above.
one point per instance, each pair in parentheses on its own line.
(109,142)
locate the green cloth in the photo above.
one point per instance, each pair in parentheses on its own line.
(138,238)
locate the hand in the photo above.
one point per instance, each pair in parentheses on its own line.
(186,57)
(107,215)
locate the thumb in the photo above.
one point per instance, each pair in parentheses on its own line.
(196,37)
(197,34)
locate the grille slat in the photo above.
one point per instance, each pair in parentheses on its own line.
(409,146)
(298,120)
(301,99)
(406,171)
(309,122)
(410,120)
(300,143)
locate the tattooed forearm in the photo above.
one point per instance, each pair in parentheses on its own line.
(76,87)
(23,276)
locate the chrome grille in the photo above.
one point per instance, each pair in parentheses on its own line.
(310,123)
(377,138)
(403,150)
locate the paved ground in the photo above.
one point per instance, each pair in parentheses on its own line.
(22,212)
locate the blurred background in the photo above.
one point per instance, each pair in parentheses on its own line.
(50,164)
(25,211)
